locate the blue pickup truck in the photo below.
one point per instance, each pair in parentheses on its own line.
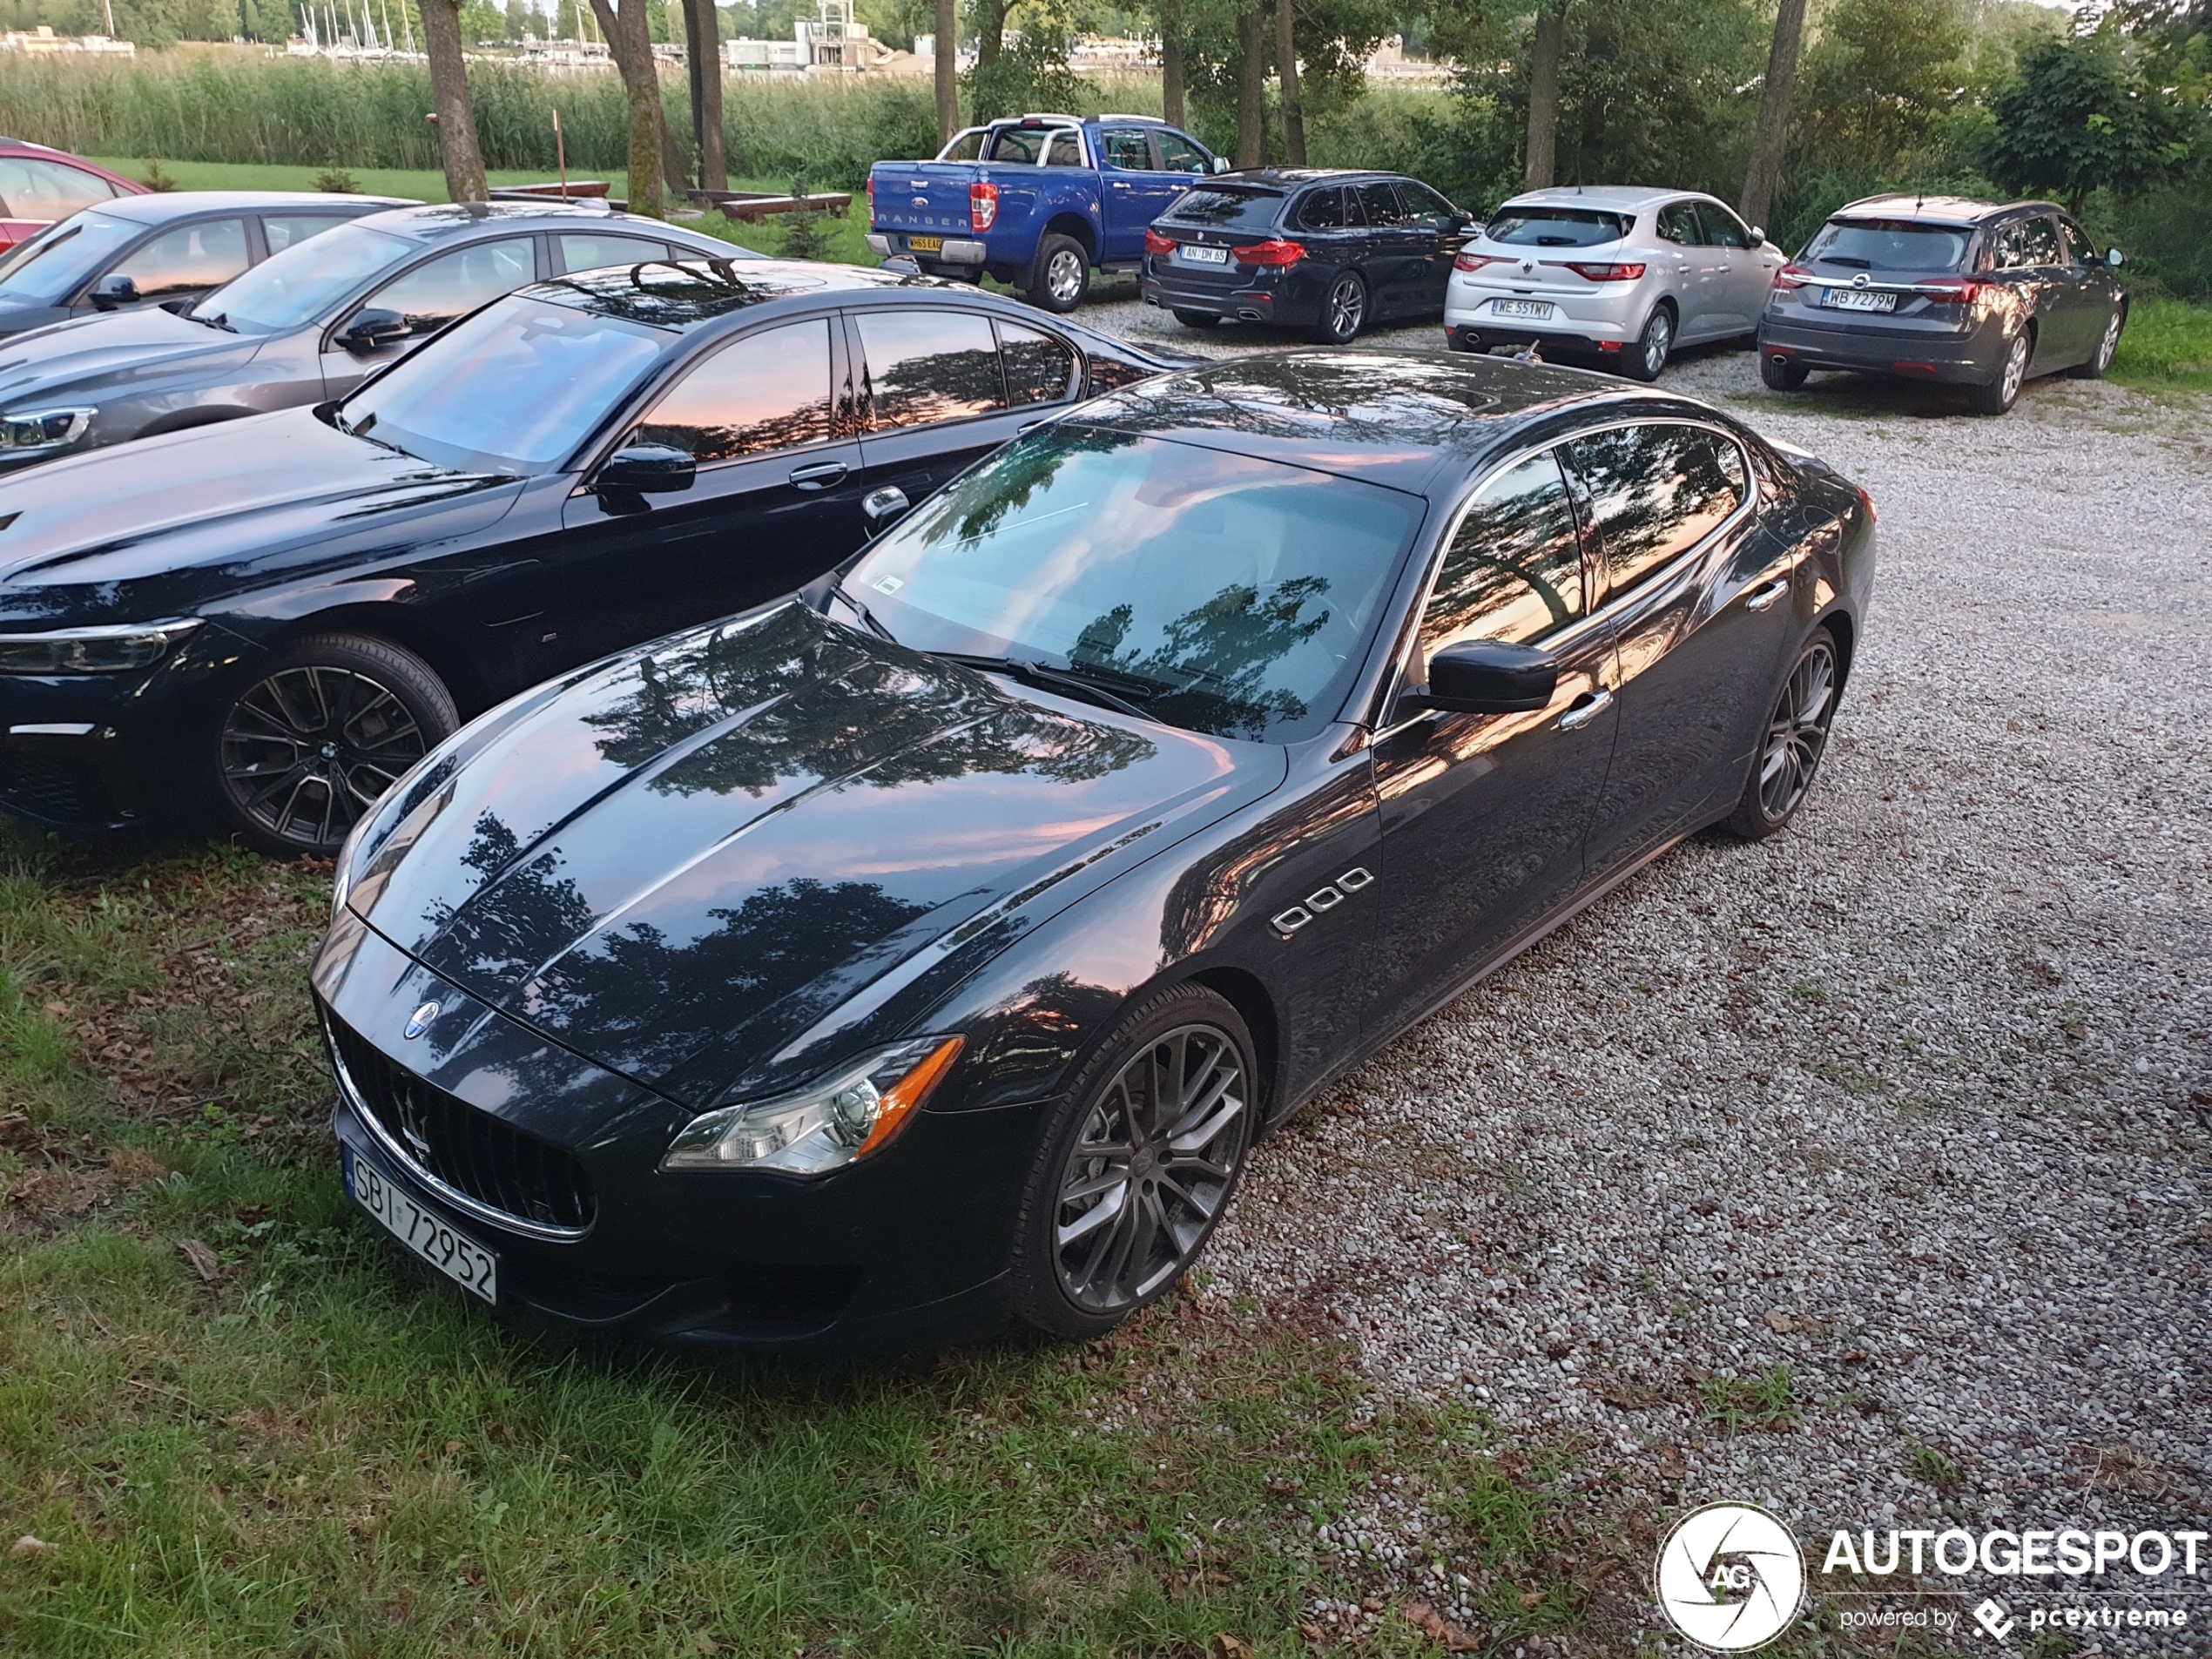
(1035,201)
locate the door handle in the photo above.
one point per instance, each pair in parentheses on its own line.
(1761,597)
(1583,713)
(820,476)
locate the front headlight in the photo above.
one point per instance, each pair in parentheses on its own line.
(92,651)
(848,1115)
(36,430)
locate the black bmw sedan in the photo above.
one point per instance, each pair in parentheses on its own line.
(1330,252)
(279,615)
(933,945)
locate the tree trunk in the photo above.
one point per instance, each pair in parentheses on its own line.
(703,46)
(1252,84)
(632,47)
(948,68)
(990,32)
(450,92)
(1543,95)
(1171,66)
(1286,69)
(1769,137)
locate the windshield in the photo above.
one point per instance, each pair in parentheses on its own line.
(1888,245)
(1244,210)
(304,283)
(1219,592)
(1556,227)
(513,389)
(51,265)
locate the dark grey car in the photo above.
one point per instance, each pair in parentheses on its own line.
(1943,289)
(163,250)
(306,325)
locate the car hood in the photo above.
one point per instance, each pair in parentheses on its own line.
(157,527)
(684,863)
(121,350)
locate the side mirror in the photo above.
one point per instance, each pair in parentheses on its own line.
(648,469)
(373,329)
(113,290)
(884,508)
(2114,258)
(1483,677)
(1758,236)
(1221,164)
(1461,220)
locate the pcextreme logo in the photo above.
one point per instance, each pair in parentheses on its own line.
(1729,1577)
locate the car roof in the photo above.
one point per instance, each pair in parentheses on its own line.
(1291,178)
(688,294)
(443,219)
(183,204)
(1387,417)
(1947,210)
(1617,198)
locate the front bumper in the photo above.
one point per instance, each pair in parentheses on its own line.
(906,1249)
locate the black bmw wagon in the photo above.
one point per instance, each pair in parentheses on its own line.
(931,946)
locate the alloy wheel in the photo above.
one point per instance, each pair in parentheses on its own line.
(1797,733)
(2015,368)
(1656,338)
(310,749)
(2110,344)
(1347,307)
(1151,1169)
(1063,276)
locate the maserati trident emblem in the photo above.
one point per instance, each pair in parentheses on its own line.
(411,1125)
(420,1020)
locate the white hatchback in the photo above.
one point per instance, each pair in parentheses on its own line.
(1623,275)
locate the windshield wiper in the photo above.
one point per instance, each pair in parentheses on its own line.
(1845,259)
(867,615)
(221,320)
(1082,681)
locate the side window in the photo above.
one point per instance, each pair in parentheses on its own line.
(1423,206)
(590,252)
(1039,369)
(1657,491)
(286,229)
(1321,209)
(1128,148)
(2079,249)
(1515,570)
(2039,241)
(432,295)
(765,391)
(1678,223)
(1722,228)
(965,146)
(47,190)
(187,258)
(1178,154)
(924,367)
(1066,148)
(1378,205)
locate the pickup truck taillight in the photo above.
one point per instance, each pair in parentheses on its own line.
(871,199)
(1156,243)
(1274,251)
(982,207)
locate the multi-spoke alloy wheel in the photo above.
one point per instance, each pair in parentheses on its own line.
(309,747)
(1344,310)
(1797,736)
(1139,1165)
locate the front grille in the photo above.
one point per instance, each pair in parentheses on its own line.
(58,791)
(471,1151)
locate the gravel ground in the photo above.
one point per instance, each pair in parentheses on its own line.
(1912,1102)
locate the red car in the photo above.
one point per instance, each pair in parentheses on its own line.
(38,186)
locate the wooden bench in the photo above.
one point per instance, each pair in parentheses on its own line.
(754,207)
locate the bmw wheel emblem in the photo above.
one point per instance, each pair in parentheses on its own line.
(420,1020)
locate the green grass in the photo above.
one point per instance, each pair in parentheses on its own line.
(847,236)
(319,1451)
(2167,345)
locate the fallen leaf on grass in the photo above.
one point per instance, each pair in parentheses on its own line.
(1437,1627)
(27,1549)
(452,1446)
(202,1258)
(1225,1646)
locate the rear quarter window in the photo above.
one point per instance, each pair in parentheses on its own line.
(1242,210)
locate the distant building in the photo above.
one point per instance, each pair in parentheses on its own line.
(832,41)
(43,41)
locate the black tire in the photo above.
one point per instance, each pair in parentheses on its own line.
(1075,1276)
(315,737)
(1647,357)
(2108,347)
(1059,276)
(1997,395)
(1782,373)
(1789,754)
(1344,311)
(1198,319)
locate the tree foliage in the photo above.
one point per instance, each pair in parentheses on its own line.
(2080,118)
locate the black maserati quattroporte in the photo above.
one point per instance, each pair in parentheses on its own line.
(931,946)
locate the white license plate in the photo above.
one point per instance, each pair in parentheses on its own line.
(1538,308)
(925,244)
(1861,300)
(460,1258)
(1205,255)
